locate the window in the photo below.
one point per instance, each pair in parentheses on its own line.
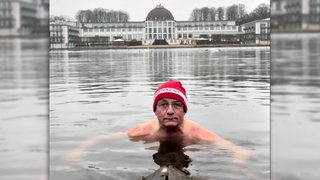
(185,36)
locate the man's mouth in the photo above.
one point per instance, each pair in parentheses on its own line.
(170,119)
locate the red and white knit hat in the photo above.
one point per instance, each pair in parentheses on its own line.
(173,90)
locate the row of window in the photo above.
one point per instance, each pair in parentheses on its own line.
(55,34)
(207,28)
(56,27)
(5,13)
(56,40)
(5,4)
(110,25)
(6,23)
(112,30)
(159,36)
(159,30)
(151,24)
(314,19)
(159,23)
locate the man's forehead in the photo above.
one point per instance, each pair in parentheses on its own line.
(168,99)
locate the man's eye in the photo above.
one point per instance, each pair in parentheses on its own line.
(163,104)
(177,104)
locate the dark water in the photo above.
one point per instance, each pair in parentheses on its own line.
(295,106)
(23,108)
(107,91)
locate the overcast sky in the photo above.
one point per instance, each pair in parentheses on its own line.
(139,9)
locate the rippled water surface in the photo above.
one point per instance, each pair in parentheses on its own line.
(107,91)
(295,106)
(23,108)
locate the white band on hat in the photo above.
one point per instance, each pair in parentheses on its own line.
(171,90)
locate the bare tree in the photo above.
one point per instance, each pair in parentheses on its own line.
(204,13)
(212,14)
(195,15)
(232,12)
(99,15)
(241,11)
(220,14)
(262,11)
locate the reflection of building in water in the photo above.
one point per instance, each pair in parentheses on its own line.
(159,27)
(213,64)
(296,60)
(23,17)
(295,14)
(160,64)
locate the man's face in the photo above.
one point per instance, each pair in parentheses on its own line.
(170,112)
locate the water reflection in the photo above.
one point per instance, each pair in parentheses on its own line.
(212,64)
(23,106)
(172,161)
(104,91)
(295,106)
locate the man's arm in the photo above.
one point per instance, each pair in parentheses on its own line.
(77,153)
(203,134)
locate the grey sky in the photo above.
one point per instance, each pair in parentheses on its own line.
(139,9)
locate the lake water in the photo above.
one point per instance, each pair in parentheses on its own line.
(295,106)
(23,109)
(107,91)
(100,92)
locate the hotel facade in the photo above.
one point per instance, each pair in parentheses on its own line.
(159,27)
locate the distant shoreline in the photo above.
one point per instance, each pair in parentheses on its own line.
(159,47)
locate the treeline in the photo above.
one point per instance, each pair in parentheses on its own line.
(100,15)
(235,12)
(97,15)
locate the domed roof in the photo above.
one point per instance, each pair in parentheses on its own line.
(159,13)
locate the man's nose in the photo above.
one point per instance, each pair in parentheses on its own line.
(170,109)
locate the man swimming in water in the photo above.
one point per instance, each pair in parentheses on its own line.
(170,107)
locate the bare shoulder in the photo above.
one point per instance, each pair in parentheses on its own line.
(143,129)
(199,132)
(191,125)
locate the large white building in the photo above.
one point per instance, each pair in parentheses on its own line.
(159,27)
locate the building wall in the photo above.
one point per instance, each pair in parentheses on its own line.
(26,17)
(9,18)
(257,32)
